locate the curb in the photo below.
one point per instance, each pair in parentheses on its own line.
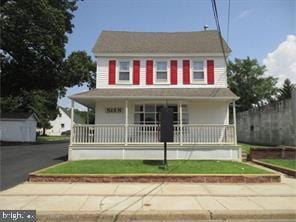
(285,170)
(167,215)
(155,178)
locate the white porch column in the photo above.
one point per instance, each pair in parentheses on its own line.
(87,116)
(234,121)
(72,121)
(126,122)
(181,123)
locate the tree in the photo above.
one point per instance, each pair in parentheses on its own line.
(79,68)
(286,91)
(246,79)
(33,38)
(34,69)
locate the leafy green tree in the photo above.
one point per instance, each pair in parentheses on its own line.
(286,91)
(79,68)
(34,71)
(87,116)
(33,38)
(246,79)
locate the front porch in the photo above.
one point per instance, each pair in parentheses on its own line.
(128,127)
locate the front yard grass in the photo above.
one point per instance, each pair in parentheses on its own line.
(291,164)
(52,138)
(153,167)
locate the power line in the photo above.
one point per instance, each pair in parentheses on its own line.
(216,17)
(228,19)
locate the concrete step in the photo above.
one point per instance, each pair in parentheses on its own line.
(244,156)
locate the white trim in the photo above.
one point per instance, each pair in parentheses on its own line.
(124,82)
(205,79)
(72,121)
(234,122)
(154,97)
(181,122)
(97,74)
(118,134)
(126,123)
(155,81)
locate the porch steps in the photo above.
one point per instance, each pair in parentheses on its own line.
(244,155)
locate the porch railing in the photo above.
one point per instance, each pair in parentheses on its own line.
(148,134)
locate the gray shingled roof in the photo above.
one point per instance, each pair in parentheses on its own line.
(112,42)
(17,115)
(157,93)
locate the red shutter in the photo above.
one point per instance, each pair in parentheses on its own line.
(112,68)
(174,66)
(149,72)
(186,72)
(136,72)
(210,71)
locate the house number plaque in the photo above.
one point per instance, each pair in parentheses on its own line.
(113,110)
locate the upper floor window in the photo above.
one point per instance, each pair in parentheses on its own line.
(161,71)
(124,71)
(198,71)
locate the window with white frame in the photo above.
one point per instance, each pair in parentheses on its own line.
(198,71)
(124,71)
(161,71)
(149,113)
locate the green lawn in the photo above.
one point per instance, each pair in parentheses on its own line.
(246,147)
(51,138)
(284,163)
(146,166)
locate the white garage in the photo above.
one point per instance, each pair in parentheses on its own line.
(18,127)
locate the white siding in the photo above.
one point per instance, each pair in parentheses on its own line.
(56,124)
(208,112)
(16,130)
(219,70)
(200,112)
(109,118)
(193,152)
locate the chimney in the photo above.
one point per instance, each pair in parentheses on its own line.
(206,27)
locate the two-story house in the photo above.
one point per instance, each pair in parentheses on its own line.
(140,72)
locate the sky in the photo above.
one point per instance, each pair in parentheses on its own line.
(261,29)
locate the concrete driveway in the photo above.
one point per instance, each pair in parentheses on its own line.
(16,162)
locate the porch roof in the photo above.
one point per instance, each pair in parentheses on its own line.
(88,98)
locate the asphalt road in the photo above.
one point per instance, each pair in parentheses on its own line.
(17,161)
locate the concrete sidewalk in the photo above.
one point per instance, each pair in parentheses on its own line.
(171,201)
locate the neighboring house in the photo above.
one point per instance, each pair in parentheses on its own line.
(138,73)
(18,127)
(62,123)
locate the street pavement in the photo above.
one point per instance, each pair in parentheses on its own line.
(17,161)
(168,201)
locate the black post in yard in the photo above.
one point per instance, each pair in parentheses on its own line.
(165,155)
(166,130)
